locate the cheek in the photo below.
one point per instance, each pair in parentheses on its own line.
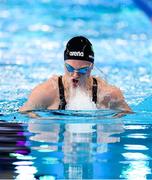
(88,73)
(66,71)
(68,75)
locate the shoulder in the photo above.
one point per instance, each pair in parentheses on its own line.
(108,89)
(45,91)
(48,86)
(115,92)
(42,95)
(111,96)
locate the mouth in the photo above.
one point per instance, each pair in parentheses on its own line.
(75,82)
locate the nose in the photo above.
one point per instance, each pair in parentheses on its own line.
(75,74)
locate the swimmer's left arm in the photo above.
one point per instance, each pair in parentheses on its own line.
(118,103)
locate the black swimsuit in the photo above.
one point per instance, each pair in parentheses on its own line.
(62,104)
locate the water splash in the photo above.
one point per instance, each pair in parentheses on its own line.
(80,100)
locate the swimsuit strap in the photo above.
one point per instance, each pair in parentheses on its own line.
(94,90)
(61,94)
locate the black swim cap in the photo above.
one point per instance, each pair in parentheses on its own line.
(79,48)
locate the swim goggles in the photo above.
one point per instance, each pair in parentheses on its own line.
(82,70)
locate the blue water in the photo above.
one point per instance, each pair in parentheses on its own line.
(75,144)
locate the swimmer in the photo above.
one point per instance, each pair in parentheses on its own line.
(55,93)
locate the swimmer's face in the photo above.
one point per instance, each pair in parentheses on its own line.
(77,71)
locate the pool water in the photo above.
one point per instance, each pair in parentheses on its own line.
(75,144)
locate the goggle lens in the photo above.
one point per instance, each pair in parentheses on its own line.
(71,69)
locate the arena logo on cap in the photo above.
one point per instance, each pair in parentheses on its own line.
(76,53)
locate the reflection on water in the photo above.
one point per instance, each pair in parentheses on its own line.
(12,140)
(75,150)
